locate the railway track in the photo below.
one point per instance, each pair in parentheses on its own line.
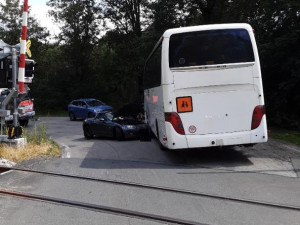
(100,208)
(124,212)
(158,188)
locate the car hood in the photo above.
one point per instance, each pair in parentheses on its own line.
(130,110)
(101,107)
(126,120)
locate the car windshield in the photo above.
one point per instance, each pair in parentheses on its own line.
(94,103)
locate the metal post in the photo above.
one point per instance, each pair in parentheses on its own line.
(21,74)
(2,123)
(14,82)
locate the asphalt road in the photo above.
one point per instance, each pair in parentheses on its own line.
(266,172)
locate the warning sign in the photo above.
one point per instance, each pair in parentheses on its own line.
(28,44)
(184,104)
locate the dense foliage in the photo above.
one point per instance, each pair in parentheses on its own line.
(103,45)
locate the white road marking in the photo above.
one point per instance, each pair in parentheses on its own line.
(7,163)
(66,153)
(5,172)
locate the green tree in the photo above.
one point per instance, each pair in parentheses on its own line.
(79,23)
(278,34)
(10,14)
(168,14)
(208,11)
(126,15)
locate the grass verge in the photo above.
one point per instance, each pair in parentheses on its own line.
(39,145)
(286,135)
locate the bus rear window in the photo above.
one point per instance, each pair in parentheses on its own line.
(210,47)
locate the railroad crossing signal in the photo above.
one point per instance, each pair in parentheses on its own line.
(28,44)
(27,49)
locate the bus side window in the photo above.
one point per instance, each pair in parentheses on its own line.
(152,73)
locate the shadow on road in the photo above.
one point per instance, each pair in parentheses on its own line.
(134,154)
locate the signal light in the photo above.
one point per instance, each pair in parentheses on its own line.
(257,116)
(175,120)
(29,70)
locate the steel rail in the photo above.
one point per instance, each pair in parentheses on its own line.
(100,208)
(166,189)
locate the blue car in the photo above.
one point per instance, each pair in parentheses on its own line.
(86,108)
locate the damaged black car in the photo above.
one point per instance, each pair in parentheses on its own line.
(106,124)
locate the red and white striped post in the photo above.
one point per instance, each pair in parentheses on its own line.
(21,75)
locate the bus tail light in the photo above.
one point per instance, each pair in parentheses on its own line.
(175,120)
(257,116)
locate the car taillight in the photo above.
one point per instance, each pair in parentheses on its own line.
(257,116)
(175,120)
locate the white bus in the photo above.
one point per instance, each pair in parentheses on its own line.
(203,88)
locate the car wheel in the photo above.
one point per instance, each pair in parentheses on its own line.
(72,116)
(23,123)
(119,134)
(88,133)
(91,115)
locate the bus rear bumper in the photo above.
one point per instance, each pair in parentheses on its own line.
(251,137)
(213,140)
